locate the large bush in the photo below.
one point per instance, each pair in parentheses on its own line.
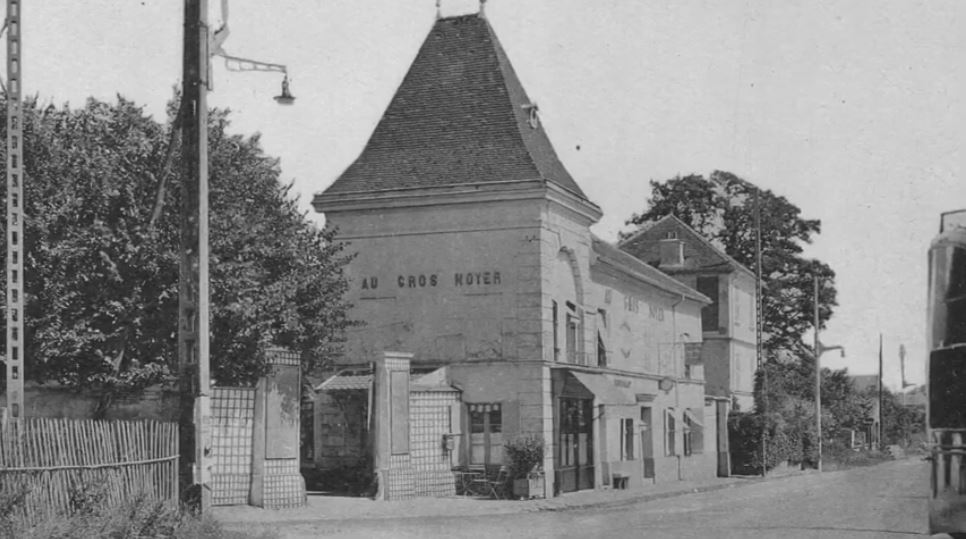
(524,454)
(791,442)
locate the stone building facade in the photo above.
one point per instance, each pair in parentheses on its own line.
(729,323)
(474,253)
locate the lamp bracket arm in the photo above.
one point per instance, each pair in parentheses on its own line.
(237,63)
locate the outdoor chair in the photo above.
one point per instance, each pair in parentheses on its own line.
(492,485)
(466,479)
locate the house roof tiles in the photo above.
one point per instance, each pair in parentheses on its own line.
(460,116)
(699,253)
(629,264)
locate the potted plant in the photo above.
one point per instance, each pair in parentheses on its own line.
(525,466)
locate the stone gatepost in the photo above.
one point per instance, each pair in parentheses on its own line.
(276,480)
(391,453)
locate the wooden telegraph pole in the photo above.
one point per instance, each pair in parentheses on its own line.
(15,215)
(879,415)
(193,332)
(818,378)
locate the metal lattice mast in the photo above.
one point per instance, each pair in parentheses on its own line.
(759,321)
(15,179)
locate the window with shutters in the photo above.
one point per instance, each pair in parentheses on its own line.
(571,338)
(669,432)
(601,351)
(627,439)
(693,432)
(556,321)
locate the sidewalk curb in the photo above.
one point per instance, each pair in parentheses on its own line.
(539,506)
(648,497)
(548,505)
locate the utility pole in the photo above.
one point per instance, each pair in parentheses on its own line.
(818,377)
(193,332)
(819,349)
(193,297)
(879,418)
(758,332)
(15,215)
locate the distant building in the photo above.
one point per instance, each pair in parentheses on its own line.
(728,324)
(474,254)
(914,398)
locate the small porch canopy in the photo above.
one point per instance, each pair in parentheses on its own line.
(361,380)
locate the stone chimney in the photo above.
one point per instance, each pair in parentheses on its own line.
(672,251)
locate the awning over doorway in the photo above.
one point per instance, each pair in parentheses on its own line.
(693,417)
(603,388)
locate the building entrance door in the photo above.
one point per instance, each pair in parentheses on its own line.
(647,442)
(575,445)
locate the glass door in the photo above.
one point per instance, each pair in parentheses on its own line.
(575,445)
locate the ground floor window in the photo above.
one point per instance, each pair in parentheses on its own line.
(486,433)
(669,432)
(627,439)
(693,433)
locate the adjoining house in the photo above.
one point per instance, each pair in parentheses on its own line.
(728,324)
(474,253)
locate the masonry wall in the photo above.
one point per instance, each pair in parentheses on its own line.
(716,356)
(51,400)
(669,466)
(448,283)
(645,328)
(743,314)
(744,363)
(524,393)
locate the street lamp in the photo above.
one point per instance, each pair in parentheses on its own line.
(819,350)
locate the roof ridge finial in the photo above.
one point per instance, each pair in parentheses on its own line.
(482,9)
(439,11)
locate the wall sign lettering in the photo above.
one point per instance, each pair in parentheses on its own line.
(417,281)
(476,278)
(461,279)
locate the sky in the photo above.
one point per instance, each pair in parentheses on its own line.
(851,109)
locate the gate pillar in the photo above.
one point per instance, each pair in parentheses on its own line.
(391,452)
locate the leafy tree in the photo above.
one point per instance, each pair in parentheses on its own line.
(901,425)
(101,221)
(722,208)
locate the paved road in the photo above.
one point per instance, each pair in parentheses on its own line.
(886,501)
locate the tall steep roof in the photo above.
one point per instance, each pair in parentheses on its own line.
(460,116)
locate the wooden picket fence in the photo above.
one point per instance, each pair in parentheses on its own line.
(53,463)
